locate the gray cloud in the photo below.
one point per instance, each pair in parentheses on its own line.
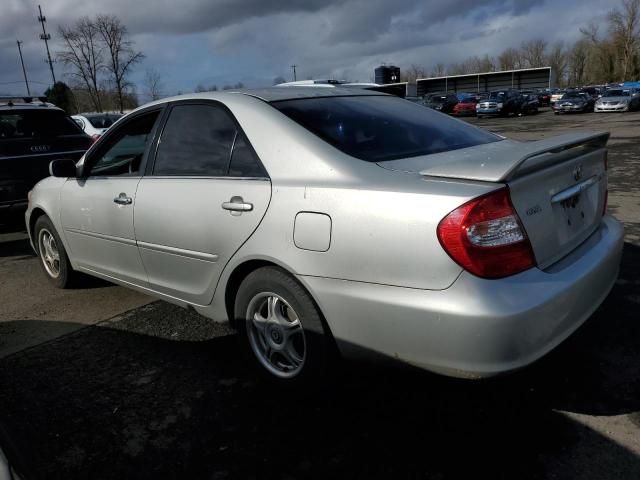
(223,41)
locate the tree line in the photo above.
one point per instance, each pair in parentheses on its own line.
(603,54)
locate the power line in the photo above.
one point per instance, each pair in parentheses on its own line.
(46,37)
(23,69)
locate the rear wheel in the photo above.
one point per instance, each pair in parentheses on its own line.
(53,256)
(281,327)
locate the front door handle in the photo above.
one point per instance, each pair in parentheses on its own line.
(123,199)
(237,205)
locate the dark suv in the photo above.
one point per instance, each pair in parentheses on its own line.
(32,133)
(501,102)
(443,102)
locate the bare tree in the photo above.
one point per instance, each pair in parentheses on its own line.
(120,51)
(533,53)
(557,60)
(510,59)
(83,52)
(577,62)
(624,27)
(153,84)
(438,70)
(278,80)
(412,73)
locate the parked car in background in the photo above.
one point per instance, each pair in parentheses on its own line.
(32,133)
(442,102)
(530,104)
(593,92)
(556,95)
(617,100)
(466,106)
(574,102)
(285,220)
(500,102)
(95,124)
(544,97)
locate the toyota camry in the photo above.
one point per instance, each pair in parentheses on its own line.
(336,222)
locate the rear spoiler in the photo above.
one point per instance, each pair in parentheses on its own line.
(506,160)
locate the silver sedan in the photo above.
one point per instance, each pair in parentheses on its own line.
(324,222)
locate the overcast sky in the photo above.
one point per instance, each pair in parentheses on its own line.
(207,42)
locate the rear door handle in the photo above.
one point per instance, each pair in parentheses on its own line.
(123,199)
(237,205)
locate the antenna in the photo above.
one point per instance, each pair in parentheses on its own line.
(23,69)
(46,37)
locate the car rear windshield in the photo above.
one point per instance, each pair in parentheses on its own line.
(102,121)
(378,128)
(23,124)
(617,93)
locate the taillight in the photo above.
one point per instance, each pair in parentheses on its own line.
(485,237)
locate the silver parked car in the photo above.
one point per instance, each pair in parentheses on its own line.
(322,221)
(618,100)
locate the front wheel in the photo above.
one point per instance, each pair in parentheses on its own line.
(53,257)
(281,327)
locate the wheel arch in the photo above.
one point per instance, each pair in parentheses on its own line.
(242,270)
(36,213)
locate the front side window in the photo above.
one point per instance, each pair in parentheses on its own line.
(196,141)
(377,128)
(122,154)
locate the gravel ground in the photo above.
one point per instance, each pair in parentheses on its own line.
(106,390)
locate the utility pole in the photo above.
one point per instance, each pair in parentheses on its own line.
(23,69)
(46,37)
(294,72)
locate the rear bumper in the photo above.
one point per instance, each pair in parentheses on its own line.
(476,328)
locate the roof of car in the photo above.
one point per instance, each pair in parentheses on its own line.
(6,106)
(13,102)
(276,94)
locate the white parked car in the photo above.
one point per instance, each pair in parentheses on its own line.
(95,124)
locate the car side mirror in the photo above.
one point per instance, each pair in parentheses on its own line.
(64,168)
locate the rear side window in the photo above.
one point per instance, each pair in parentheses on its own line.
(28,124)
(243,161)
(196,140)
(378,128)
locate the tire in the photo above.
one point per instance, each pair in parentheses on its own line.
(49,246)
(290,346)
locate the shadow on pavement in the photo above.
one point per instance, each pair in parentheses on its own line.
(106,403)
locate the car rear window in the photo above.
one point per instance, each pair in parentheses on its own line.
(378,128)
(102,121)
(18,124)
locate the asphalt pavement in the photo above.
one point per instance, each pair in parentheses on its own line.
(102,382)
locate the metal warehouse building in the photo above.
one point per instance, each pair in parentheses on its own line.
(523,79)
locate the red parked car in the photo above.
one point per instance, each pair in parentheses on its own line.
(466,106)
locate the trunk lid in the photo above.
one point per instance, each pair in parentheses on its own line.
(558,185)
